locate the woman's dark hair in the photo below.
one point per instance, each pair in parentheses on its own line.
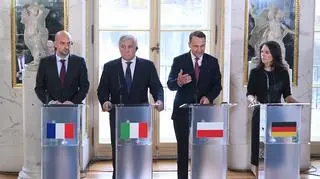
(275,51)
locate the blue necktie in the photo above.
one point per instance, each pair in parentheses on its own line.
(128,76)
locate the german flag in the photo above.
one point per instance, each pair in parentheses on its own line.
(283,129)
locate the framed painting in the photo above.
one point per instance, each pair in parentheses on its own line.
(28,19)
(272,20)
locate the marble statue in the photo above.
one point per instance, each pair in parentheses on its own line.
(269,26)
(35,32)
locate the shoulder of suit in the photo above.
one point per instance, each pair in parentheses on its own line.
(144,61)
(48,58)
(183,56)
(113,62)
(210,57)
(75,57)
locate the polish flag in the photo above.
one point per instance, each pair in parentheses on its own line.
(209,129)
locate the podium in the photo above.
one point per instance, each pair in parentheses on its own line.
(279,140)
(210,138)
(133,141)
(60,129)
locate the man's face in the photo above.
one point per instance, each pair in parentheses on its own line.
(127,49)
(63,45)
(197,46)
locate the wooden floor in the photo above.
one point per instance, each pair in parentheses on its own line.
(166,169)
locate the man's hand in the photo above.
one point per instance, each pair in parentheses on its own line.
(159,105)
(67,102)
(204,100)
(252,100)
(183,78)
(106,106)
(54,102)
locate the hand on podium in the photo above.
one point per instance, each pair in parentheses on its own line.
(106,106)
(252,100)
(67,102)
(204,100)
(54,102)
(159,105)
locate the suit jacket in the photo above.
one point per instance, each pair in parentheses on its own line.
(209,83)
(27,59)
(76,84)
(112,86)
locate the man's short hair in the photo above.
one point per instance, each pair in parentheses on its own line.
(198,34)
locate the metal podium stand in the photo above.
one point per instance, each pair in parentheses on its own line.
(133,141)
(280,140)
(210,138)
(60,141)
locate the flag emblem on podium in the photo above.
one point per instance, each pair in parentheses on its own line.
(133,130)
(209,129)
(283,129)
(60,130)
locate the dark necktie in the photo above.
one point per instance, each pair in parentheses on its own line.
(196,68)
(128,76)
(62,71)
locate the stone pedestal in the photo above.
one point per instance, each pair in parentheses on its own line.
(31,127)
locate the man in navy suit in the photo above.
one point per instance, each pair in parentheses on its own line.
(196,77)
(62,78)
(126,80)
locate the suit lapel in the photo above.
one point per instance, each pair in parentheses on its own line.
(202,68)
(70,70)
(54,67)
(136,71)
(190,70)
(120,77)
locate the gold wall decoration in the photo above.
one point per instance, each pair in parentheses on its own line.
(55,20)
(276,20)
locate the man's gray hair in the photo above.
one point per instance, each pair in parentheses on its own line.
(128,37)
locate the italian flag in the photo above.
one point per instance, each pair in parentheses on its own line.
(133,130)
(209,129)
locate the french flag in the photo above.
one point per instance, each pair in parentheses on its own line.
(60,130)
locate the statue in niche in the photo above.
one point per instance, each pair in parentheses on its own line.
(269,26)
(35,32)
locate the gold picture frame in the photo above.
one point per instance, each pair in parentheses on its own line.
(263,17)
(56,19)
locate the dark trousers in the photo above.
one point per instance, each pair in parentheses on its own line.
(181,129)
(255,133)
(113,141)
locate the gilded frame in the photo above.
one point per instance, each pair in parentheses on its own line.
(58,11)
(254,10)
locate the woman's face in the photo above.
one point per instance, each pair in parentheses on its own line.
(266,56)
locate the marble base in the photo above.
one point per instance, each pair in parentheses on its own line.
(31,128)
(28,174)
(239,155)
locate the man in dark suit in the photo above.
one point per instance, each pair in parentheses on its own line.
(126,80)
(62,78)
(196,78)
(24,57)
